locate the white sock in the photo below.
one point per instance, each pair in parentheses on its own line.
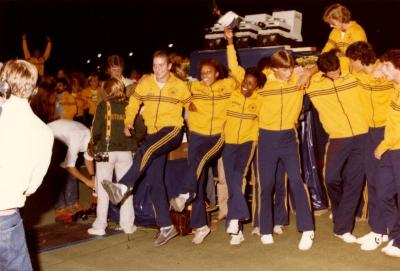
(185,196)
(124,188)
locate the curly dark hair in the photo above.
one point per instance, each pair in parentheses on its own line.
(362,51)
(261,78)
(392,56)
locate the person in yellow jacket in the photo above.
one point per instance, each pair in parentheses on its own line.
(163,97)
(241,134)
(81,105)
(90,95)
(375,94)
(336,97)
(65,105)
(388,150)
(37,58)
(345,31)
(207,115)
(281,212)
(277,141)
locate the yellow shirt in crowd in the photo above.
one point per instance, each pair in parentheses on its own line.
(68,106)
(90,97)
(80,104)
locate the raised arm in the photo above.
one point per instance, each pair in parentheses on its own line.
(47,52)
(236,70)
(27,54)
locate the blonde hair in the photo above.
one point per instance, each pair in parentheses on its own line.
(337,12)
(114,90)
(21,76)
(282,59)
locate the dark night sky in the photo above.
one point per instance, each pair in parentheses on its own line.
(82,28)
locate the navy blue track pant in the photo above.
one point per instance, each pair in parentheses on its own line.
(389,186)
(151,158)
(379,220)
(202,148)
(236,159)
(344,176)
(274,146)
(281,211)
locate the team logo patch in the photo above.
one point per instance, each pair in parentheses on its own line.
(252,108)
(172,92)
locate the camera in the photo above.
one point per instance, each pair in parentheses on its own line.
(101,157)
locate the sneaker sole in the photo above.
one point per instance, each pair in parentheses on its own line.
(166,240)
(198,243)
(236,244)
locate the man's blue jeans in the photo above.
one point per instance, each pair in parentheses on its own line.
(68,192)
(13,250)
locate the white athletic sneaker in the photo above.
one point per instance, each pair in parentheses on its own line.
(256,231)
(306,240)
(278,229)
(392,251)
(370,241)
(233,226)
(94,231)
(200,234)
(236,239)
(347,237)
(361,240)
(390,244)
(267,239)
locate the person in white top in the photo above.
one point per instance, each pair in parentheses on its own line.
(25,153)
(76,137)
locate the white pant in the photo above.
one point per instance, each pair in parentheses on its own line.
(120,161)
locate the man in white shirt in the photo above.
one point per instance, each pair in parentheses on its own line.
(25,153)
(76,137)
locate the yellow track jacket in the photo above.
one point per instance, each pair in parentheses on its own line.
(391,139)
(282,102)
(338,104)
(242,114)
(161,107)
(376,95)
(211,103)
(353,34)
